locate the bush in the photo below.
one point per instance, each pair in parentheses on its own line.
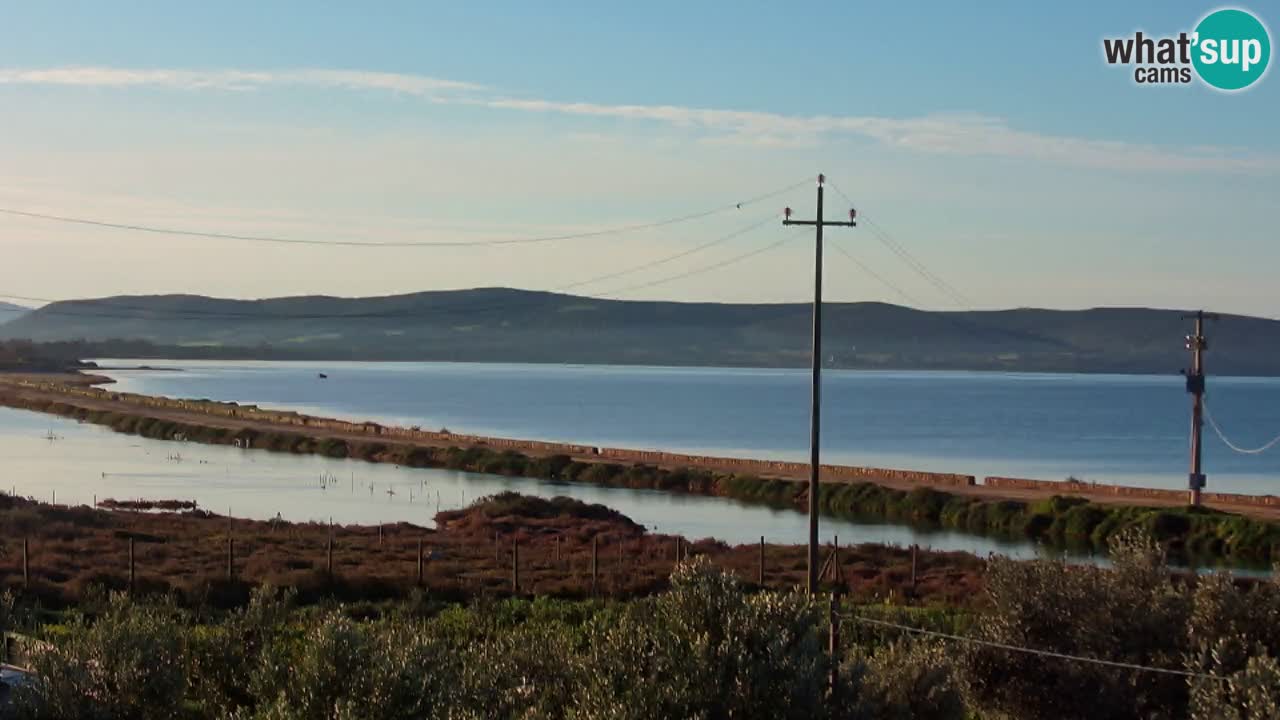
(706,649)
(126,664)
(909,680)
(1125,614)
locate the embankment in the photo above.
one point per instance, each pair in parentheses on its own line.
(1161,495)
(227,414)
(1005,508)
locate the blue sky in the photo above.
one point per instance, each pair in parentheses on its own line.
(994,144)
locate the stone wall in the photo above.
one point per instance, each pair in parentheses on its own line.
(1075,487)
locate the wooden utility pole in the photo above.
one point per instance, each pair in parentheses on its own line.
(815,394)
(1197,344)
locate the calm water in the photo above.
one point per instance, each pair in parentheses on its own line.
(1106,428)
(46,455)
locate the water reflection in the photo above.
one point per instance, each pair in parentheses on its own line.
(49,458)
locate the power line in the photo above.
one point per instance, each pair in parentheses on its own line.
(1222,436)
(700,270)
(670,258)
(901,293)
(136,311)
(401,244)
(910,260)
(894,246)
(1033,651)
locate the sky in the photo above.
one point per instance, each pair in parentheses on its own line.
(992,143)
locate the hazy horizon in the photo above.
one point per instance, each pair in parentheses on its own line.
(997,148)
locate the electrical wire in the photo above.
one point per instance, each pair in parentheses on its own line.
(1223,437)
(901,293)
(401,244)
(700,270)
(1034,651)
(903,254)
(136,311)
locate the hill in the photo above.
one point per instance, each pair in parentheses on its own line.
(9,311)
(498,324)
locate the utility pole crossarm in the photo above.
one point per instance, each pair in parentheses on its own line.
(825,223)
(815,419)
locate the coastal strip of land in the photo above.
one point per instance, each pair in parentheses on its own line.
(81,391)
(1082,515)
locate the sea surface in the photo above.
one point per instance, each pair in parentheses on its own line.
(1124,429)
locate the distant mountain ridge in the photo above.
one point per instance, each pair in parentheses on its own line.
(9,311)
(501,324)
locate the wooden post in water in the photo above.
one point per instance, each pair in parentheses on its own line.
(132,576)
(595,550)
(419,562)
(26,563)
(760,570)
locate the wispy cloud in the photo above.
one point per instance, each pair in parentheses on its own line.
(971,135)
(232,79)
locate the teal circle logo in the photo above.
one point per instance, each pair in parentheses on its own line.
(1232,49)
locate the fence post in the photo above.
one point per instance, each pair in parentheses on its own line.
(132,576)
(328,562)
(379,535)
(914,551)
(26,563)
(760,570)
(231,558)
(515,566)
(595,550)
(419,561)
(833,650)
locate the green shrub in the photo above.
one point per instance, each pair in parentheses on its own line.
(128,663)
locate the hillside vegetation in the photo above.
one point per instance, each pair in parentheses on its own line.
(498,324)
(709,647)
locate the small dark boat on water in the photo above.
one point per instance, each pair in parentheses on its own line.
(323,376)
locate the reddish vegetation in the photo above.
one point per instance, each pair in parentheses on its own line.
(170,505)
(72,549)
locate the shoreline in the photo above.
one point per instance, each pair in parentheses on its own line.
(82,390)
(1063,514)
